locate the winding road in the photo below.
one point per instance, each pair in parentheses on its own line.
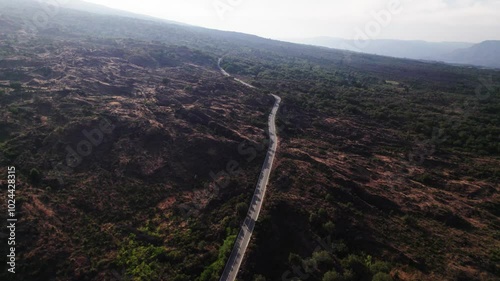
(229,75)
(234,262)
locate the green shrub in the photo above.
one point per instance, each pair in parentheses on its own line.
(310,265)
(35,177)
(409,220)
(380,266)
(14,109)
(495,255)
(329,227)
(329,198)
(16,86)
(294,259)
(175,256)
(213,271)
(322,260)
(381,276)
(332,276)
(322,213)
(349,276)
(358,265)
(494,262)
(313,218)
(181,277)
(241,209)
(425,178)
(259,278)
(140,261)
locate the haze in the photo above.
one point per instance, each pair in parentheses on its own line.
(430,20)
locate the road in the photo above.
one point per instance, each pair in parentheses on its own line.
(229,75)
(240,246)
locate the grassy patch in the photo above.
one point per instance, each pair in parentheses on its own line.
(140,261)
(213,271)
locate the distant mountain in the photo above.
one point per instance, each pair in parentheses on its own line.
(486,54)
(386,47)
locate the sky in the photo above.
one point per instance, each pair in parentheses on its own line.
(429,20)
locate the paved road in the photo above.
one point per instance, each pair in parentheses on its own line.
(229,75)
(241,244)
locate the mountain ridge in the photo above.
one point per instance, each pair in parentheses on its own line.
(447,52)
(486,53)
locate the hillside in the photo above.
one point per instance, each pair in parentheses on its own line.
(483,54)
(486,54)
(135,155)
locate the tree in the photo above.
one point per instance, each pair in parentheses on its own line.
(332,276)
(323,260)
(259,278)
(16,85)
(381,276)
(357,265)
(329,227)
(35,176)
(294,259)
(380,266)
(241,209)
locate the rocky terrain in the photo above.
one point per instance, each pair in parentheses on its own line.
(158,135)
(136,157)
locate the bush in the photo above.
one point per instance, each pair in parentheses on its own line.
(357,264)
(35,177)
(181,277)
(294,259)
(329,227)
(213,271)
(140,261)
(409,220)
(381,276)
(494,262)
(495,255)
(259,278)
(425,178)
(310,265)
(349,276)
(322,213)
(380,266)
(332,276)
(322,260)
(313,218)
(16,86)
(241,209)
(329,198)
(14,109)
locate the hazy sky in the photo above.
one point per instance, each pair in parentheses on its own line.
(431,20)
